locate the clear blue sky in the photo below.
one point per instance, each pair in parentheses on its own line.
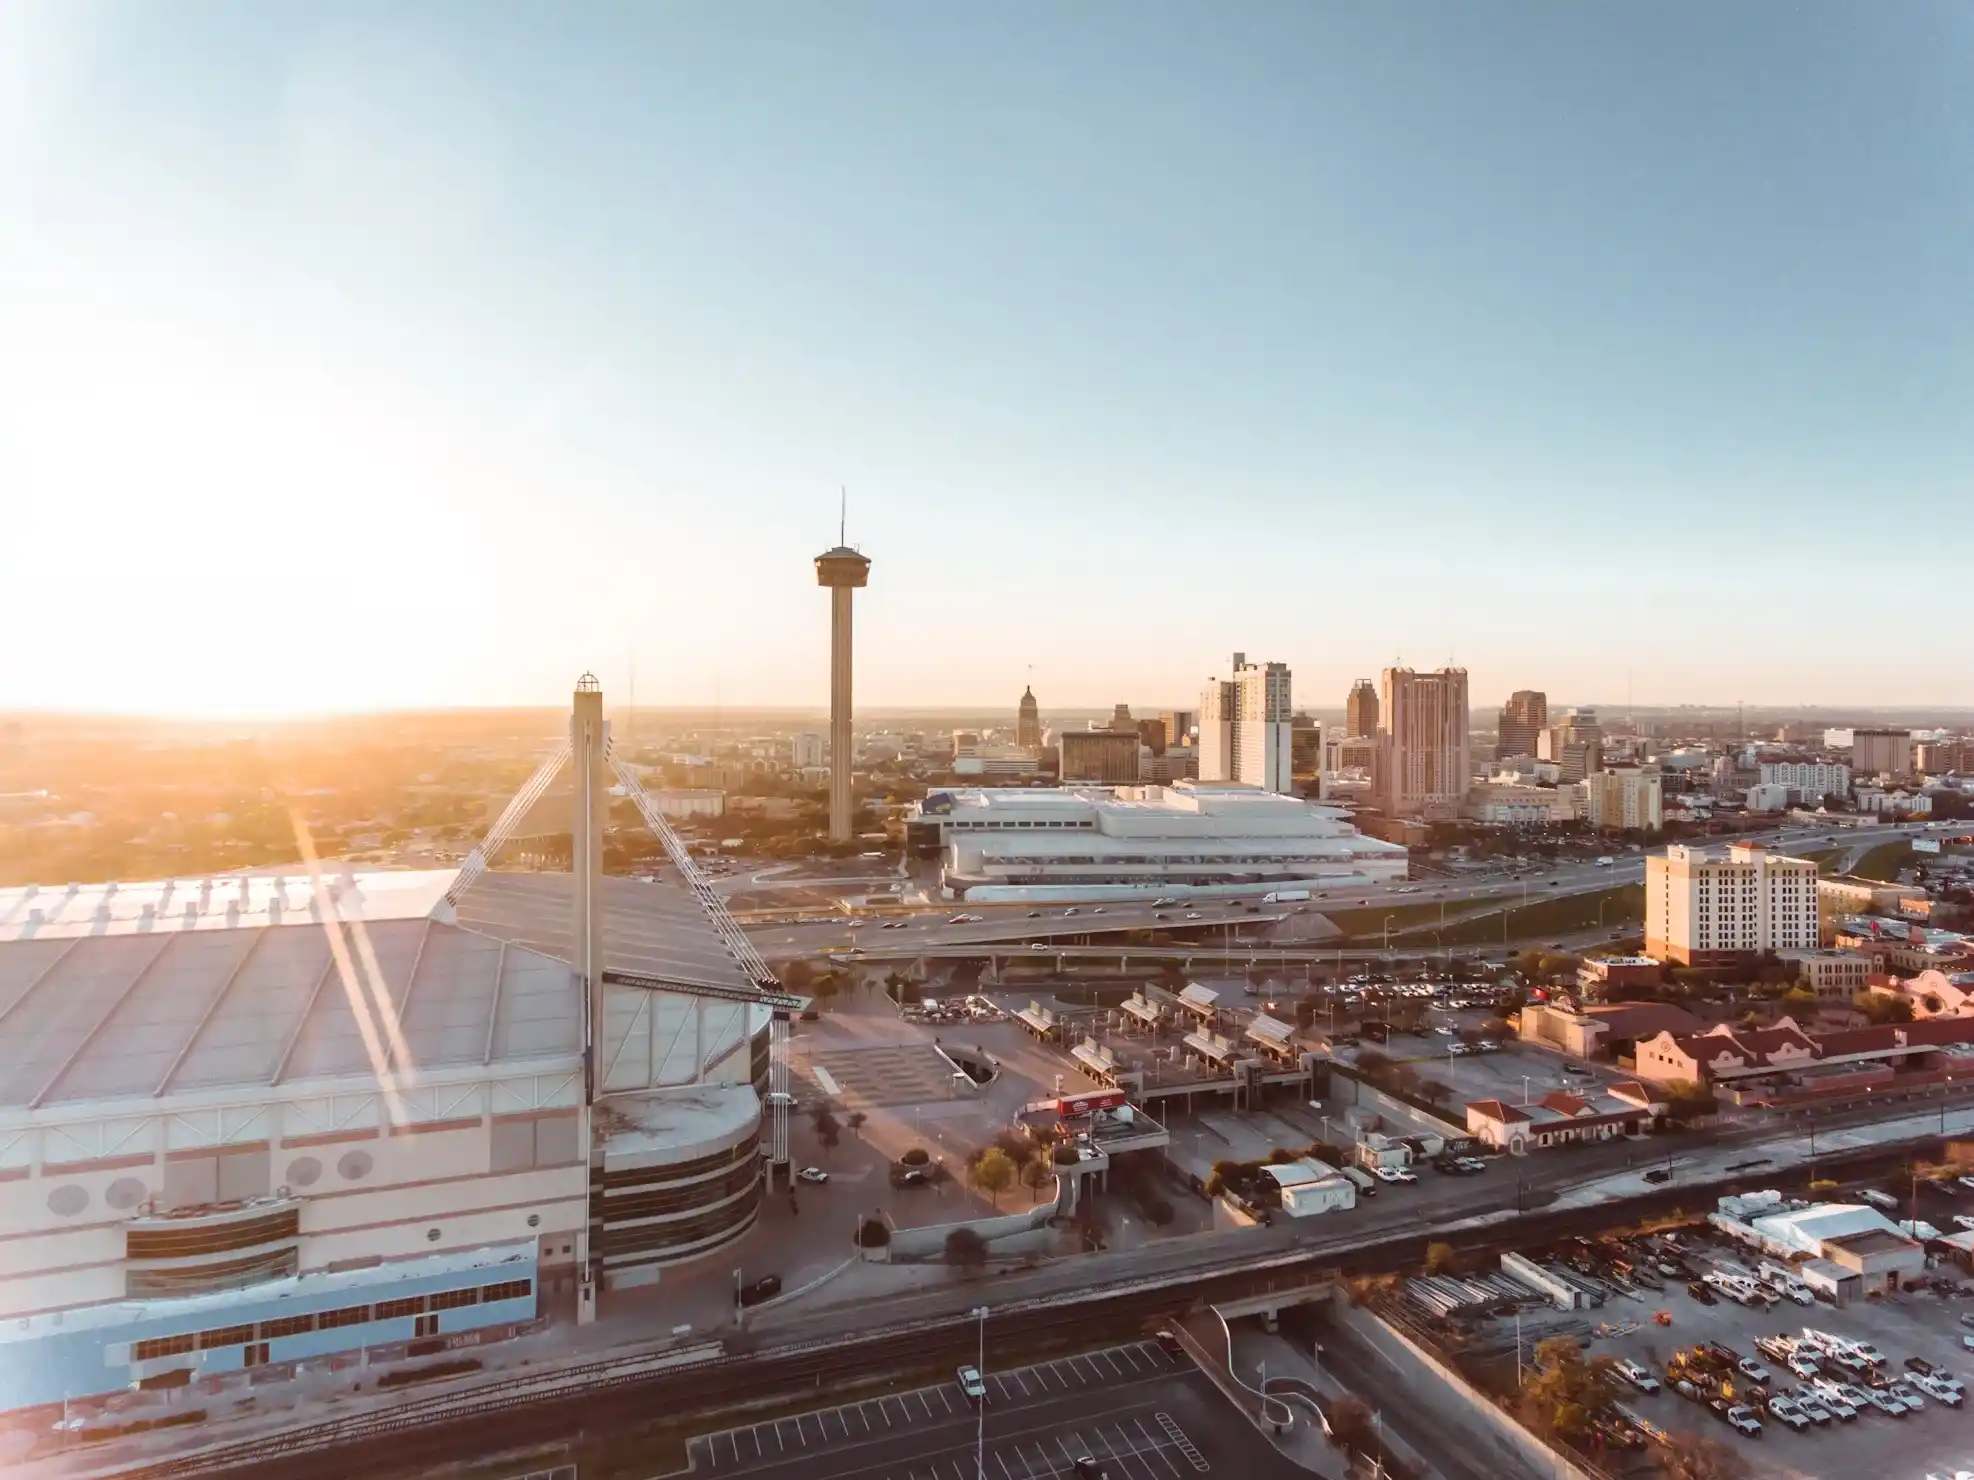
(403,354)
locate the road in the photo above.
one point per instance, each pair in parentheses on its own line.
(1018,924)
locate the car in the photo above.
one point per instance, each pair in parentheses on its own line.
(814,1175)
(1868,1352)
(971,1384)
(1949,1393)
(1885,1403)
(765,1288)
(1036,945)
(1754,1371)
(910,1177)
(1811,1407)
(1192,914)
(1834,1398)
(1168,1342)
(1638,1376)
(1906,1393)
(1085,1468)
(1034,914)
(1784,1411)
(1967,1182)
(1803,1365)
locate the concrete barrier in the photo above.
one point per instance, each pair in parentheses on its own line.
(1415,1368)
(1006,1235)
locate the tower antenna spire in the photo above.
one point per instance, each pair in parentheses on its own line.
(843,517)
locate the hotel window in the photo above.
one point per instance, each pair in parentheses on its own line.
(392,1310)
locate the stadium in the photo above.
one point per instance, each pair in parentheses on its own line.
(251,1122)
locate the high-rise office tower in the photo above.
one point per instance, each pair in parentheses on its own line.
(1424,749)
(1305,748)
(1179,726)
(1028,722)
(1109,757)
(1153,735)
(1576,743)
(843,570)
(1244,727)
(1264,744)
(1360,710)
(1120,718)
(1219,712)
(1523,719)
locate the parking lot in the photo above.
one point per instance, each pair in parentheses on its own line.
(1141,1414)
(1935,1440)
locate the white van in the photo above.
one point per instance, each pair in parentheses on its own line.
(1883,1201)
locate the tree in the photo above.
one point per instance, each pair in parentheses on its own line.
(827,1130)
(797,976)
(1435,1090)
(1689,1456)
(856,1120)
(1350,1422)
(872,1234)
(1038,1174)
(1884,1007)
(918,1156)
(1799,1003)
(994,1173)
(966,1250)
(1440,1258)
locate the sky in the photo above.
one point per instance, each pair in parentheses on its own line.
(408,355)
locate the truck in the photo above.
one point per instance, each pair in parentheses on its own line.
(1363,1181)
(1285,896)
(1606,861)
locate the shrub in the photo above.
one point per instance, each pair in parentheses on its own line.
(918,1156)
(872,1234)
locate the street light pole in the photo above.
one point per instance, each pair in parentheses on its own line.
(979,1313)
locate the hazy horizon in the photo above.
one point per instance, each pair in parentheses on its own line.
(376,358)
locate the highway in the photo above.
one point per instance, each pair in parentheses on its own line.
(1018,924)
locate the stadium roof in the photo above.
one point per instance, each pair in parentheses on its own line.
(194,986)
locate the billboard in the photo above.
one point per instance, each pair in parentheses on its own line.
(1101,1099)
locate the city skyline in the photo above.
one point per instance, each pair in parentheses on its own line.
(333,333)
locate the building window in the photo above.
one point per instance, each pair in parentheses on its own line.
(427,1326)
(349,1315)
(393,1310)
(454,1299)
(225,1336)
(286,1326)
(161,1346)
(508,1290)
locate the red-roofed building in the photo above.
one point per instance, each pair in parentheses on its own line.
(1564,1116)
(1726,1054)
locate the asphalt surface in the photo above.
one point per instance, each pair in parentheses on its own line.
(1141,1414)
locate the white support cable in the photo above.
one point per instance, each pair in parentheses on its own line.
(503,828)
(715,908)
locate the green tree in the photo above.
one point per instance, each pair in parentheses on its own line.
(1884,1007)
(966,1250)
(856,1120)
(1440,1258)
(797,976)
(1799,1003)
(994,1173)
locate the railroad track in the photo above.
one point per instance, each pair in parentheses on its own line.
(628,1393)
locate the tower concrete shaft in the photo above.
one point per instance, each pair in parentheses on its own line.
(588,738)
(843,570)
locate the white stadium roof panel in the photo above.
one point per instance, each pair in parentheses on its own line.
(176,987)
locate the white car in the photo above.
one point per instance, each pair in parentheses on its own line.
(1387,1174)
(1804,1366)
(971,1384)
(1753,1370)
(1785,1410)
(1742,1420)
(812,1174)
(1939,1390)
(1638,1377)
